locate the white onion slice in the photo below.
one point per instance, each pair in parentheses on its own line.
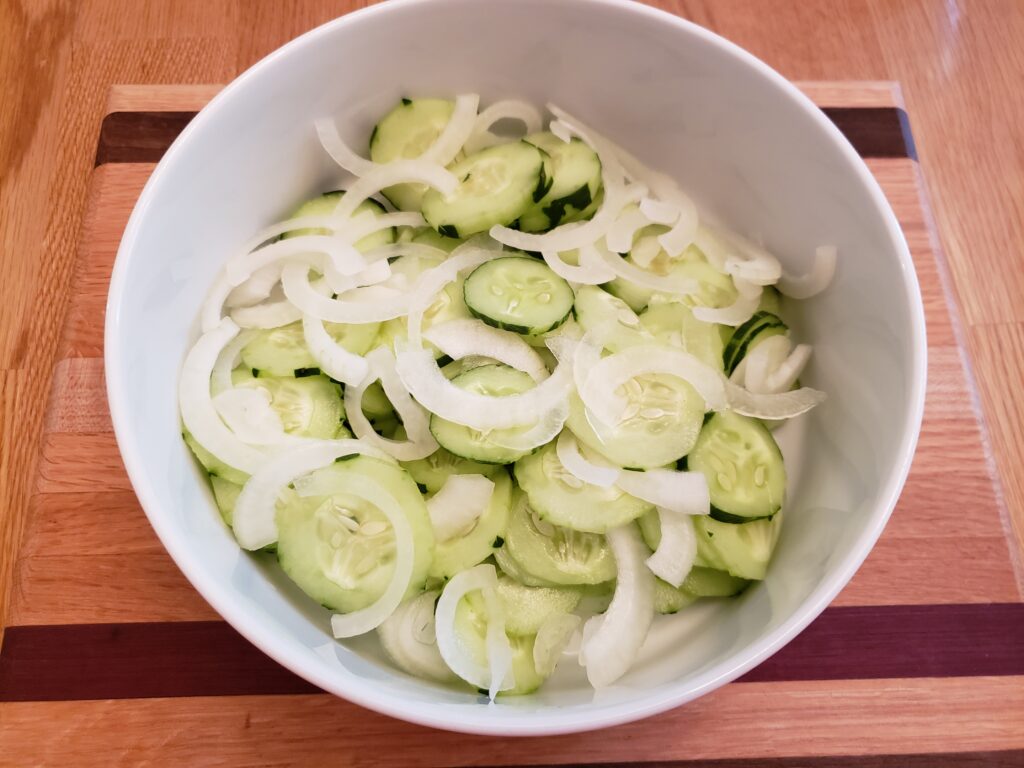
(619,237)
(332,358)
(399,172)
(553,639)
(253,521)
(684,230)
(257,288)
(419,442)
(816,280)
(423,378)
(659,211)
(247,412)
(784,405)
(453,650)
(466,337)
(599,391)
(543,431)
(508,109)
(645,251)
(197,410)
(612,645)
(456,132)
(295,279)
(372,616)
(459,504)
(677,550)
(408,636)
(227,361)
(594,272)
(757,271)
(748,298)
(634,274)
(774,365)
(568,451)
(681,493)
(340,152)
(271,314)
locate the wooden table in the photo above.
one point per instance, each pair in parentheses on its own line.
(960,67)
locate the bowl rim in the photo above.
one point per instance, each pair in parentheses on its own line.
(549,721)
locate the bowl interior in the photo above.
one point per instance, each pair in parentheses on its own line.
(728,128)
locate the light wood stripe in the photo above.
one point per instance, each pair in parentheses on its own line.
(792,719)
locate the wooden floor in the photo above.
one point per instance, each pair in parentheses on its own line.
(961,63)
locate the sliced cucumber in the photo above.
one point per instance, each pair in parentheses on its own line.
(673,323)
(282,351)
(519,294)
(576,182)
(743,466)
(515,571)
(496,185)
(597,309)
(709,582)
(668,419)
(559,497)
(340,549)
(325,204)
(495,381)
(225,493)
(310,406)
(212,464)
(432,472)
(742,550)
(554,554)
(375,403)
(471,629)
(771,300)
(430,236)
(669,599)
(758,328)
(404,133)
(478,543)
(447,305)
(526,608)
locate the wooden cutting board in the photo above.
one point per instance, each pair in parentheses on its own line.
(111,656)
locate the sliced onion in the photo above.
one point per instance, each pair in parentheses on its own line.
(774,365)
(459,504)
(612,645)
(419,442)
(677,550)
(271,314)
(748,299)
(456,133)
(332,358)
(784,405)
(465,337)
(543,431)
(568,451)
(645,251)
(591,271)
(409,638)
(665,283)
(619,237)
(372,616)
(340,152)
(420,373)
(684,230)
(399,172)
(253,520)
(257,288)
(295,279)
(659,211)
(453,650)
(197,410)
(681,493)
(599,391)
(509,109)
(816,280)
(553,639)
(247,412)
(227,361)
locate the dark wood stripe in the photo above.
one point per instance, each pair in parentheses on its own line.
(208,658)
(143,137)
(997,759)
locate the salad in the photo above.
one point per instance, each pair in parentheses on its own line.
(502,400)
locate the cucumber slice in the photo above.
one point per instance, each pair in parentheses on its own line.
(213,466)
(471,628)
(758,328)
(554,554)
(375,403)
(496,185)
(325,204)
(225,493)
(709,582)
(479,543)
(716,289)
(519,294)
(282,351)
(429,236)
(742,550)
(310,406)
(526,608)
(743,466)
(576,182)
(560,498)
(596,308)
(646,441)
(771,300)
(404,133)
(496,381)
(668,599)
(447,305)
(340,549)
(674,323)
(516,572)
(432,472)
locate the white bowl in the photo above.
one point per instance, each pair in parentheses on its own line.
(734,131)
